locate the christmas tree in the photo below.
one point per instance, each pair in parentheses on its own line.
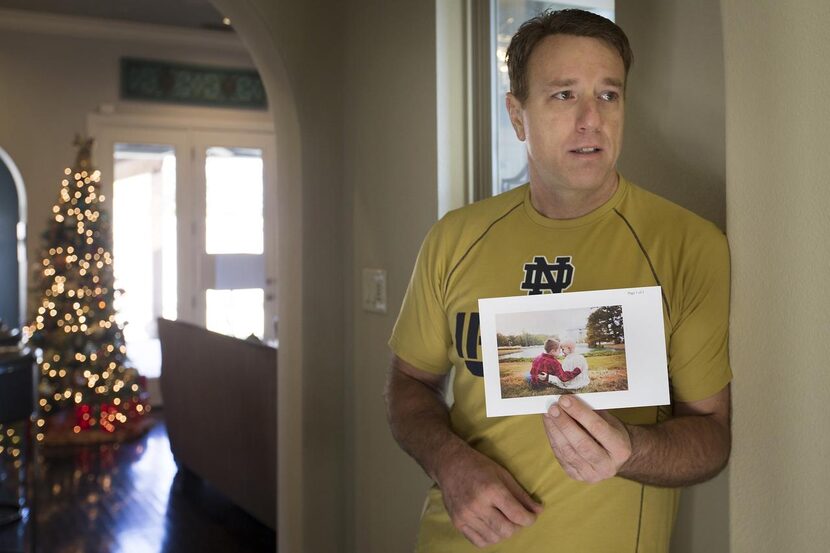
(86,386)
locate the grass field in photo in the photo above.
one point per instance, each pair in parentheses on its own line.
(608,374)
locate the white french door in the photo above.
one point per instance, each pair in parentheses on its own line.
(194,230)
(235,291)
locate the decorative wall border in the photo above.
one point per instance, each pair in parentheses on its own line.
(162,81)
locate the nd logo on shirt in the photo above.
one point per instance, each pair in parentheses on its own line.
(540,276)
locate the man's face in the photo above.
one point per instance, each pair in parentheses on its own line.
(572,119)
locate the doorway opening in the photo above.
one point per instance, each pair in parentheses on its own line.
(13,264)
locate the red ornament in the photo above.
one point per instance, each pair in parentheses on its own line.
(83,416)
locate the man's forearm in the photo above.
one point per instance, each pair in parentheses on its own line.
(679,452)
(420,422)
(483,500)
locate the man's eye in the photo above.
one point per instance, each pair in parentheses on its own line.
(564,95)
(609,96)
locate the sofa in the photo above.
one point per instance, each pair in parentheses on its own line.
(220,408)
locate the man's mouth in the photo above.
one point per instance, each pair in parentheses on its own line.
(586,150)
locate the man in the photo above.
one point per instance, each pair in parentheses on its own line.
(574,479)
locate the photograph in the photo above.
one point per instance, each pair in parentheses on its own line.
(607,347)
(562,351)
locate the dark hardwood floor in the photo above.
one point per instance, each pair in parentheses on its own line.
(130,498)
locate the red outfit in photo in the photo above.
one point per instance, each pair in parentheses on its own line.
(547,363)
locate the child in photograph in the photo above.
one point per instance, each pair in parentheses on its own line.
(546,369)
(573,363)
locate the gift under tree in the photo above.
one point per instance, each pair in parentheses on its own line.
(86,387)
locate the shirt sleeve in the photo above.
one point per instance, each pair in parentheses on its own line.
(699,343)
(422,335)
(534,371)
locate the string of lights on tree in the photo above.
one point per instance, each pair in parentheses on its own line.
(11,439)
(86,383)
(10,444)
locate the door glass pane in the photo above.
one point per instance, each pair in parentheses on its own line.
(233,218)
(144,246)
(237,313)
(510,154)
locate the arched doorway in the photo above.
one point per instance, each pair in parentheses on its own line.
(258,38)
(12,243)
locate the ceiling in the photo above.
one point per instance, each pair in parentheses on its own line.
(193,14)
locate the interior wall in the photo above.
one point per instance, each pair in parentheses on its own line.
(674,131)
(674,145)
(777,165)
(362,78)
(391,170)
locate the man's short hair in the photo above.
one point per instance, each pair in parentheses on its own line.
(562,22)
(551,344)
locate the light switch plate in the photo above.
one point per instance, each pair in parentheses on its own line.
(374,290)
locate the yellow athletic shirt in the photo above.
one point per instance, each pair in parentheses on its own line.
(503,247)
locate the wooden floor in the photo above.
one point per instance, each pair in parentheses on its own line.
(130,498)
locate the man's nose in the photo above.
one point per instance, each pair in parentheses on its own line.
(588,117)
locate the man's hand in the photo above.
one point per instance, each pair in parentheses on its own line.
(484,501)
(688,449)
(590,445)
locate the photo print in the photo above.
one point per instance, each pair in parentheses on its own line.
(561,351)
(607,346)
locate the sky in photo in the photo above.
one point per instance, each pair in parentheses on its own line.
(560,321)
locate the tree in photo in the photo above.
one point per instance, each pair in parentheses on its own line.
(605,326)
(86,385)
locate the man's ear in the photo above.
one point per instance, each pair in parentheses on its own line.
(515,110)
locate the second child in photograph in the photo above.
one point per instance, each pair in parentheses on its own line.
(573,363)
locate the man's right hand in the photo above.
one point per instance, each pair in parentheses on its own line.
(484,501)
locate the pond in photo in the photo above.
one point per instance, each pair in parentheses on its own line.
(532,351)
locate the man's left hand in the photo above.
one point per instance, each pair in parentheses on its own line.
(590,445)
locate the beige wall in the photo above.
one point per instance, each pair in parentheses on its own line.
(391,172)
(674,135)
(777,188)
(674,146)
(364,191)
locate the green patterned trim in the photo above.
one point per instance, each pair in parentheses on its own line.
(161,81)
